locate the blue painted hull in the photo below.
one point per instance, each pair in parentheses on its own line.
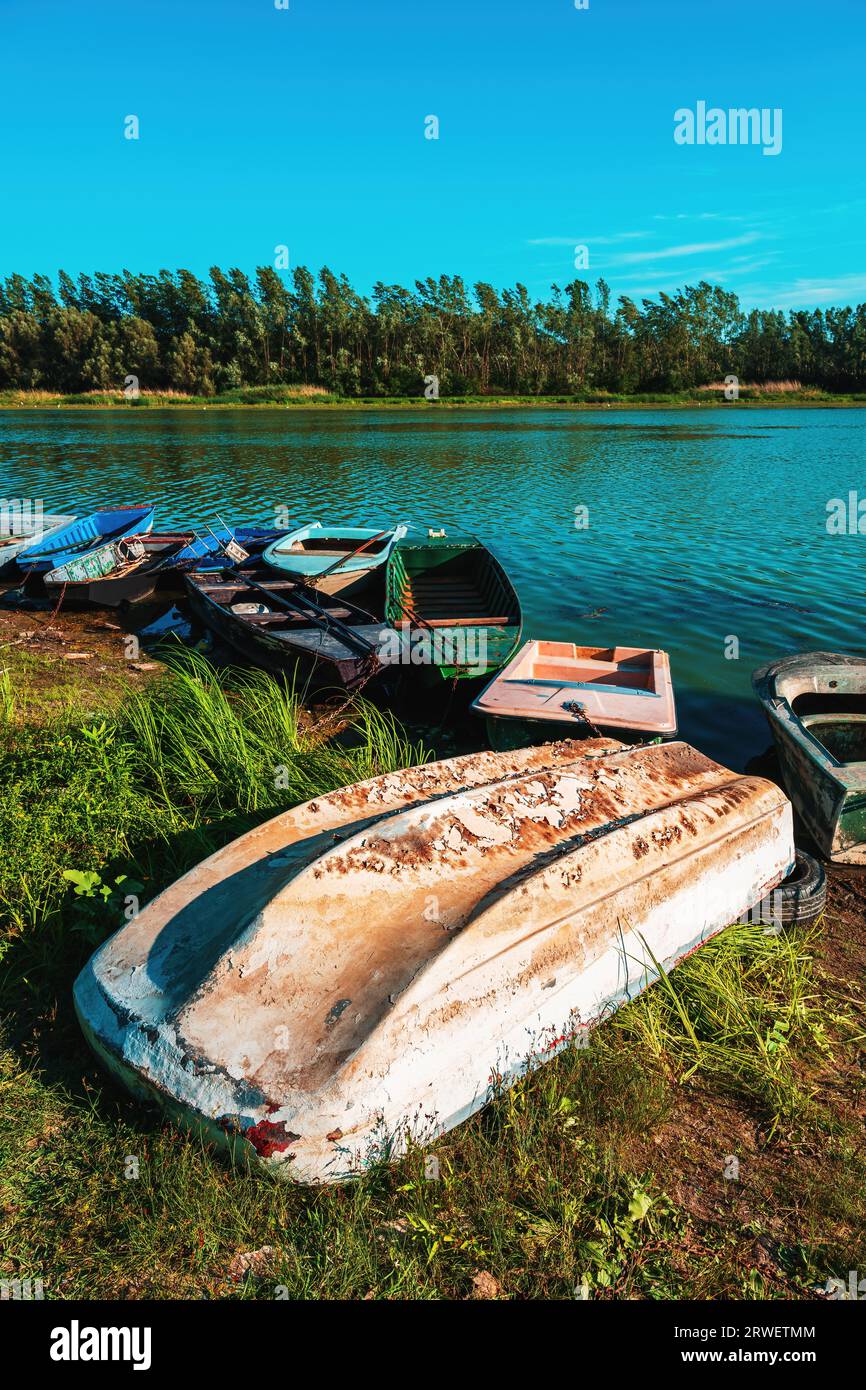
(88,533)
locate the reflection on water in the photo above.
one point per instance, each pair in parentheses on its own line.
(703,527)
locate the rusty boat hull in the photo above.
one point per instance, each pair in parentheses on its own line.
(363,970)
(815,703)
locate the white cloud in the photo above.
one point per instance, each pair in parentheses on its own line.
(695,248)
(584,240)
(696,217)
(682,275)
(832,290)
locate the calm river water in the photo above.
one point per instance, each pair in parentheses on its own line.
(704,526)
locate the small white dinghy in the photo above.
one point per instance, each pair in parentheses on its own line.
(359,970)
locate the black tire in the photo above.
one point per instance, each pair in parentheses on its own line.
(802,897)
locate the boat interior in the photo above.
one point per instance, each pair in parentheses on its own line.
(564,663)
(165,540)
(327,546)
(459,589)
(251,604)
(842,735)
(834,715)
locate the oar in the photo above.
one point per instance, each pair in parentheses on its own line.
(299,603)
(223,545)
(359,549)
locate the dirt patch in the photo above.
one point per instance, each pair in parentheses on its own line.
(84,653)
(89,658)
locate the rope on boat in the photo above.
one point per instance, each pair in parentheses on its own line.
(59,602)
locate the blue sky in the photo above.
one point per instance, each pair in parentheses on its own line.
(305,127)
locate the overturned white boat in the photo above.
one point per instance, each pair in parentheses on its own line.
(361,970)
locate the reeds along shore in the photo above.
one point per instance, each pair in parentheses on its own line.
(317,398)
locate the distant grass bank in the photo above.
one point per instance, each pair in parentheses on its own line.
(706,1144)
(317,398)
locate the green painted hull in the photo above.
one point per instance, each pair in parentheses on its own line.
(455,605)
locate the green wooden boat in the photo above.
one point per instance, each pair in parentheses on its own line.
(815,703)
(451,604)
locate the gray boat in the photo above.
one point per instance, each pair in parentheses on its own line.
(815,703)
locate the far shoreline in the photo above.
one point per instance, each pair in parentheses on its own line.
(282,399)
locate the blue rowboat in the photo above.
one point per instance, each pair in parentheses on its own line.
(127,571)
(333,558)
(88,533)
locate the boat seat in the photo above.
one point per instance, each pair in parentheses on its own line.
(446,620)
(294,616)
(442,600)
(213,586)
(319,551)
(477,620)
(269,619)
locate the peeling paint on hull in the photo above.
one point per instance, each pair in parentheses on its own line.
(363,969)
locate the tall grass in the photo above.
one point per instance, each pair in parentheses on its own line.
(240,740)
(7,697)
(183,766)
(740,1012)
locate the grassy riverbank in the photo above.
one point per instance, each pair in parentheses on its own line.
(315,398)
(610,1170)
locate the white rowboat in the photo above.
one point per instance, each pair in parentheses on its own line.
(362,969)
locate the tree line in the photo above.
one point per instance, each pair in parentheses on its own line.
(176,331)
